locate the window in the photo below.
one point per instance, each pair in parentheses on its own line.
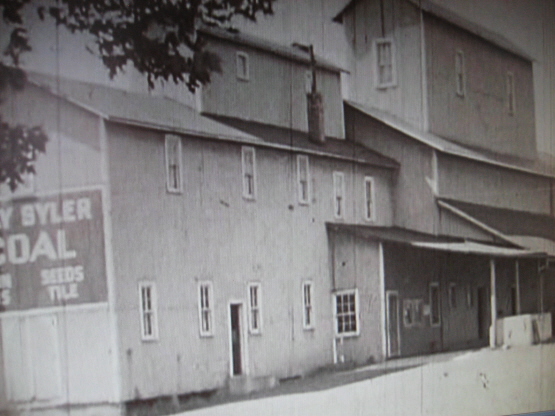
(206,308)
(339,194)
(453,296)
(148,307)
(249,172)
(308,311)
(346,311)
(511,102)
(369,198)
(435,311)
(242,64)
(255,318)
(173,163)
(385,63)
(303,177)
(460,77)
(308,81)
(413,312)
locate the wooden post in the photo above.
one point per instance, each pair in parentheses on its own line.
(493,327)
(517,287)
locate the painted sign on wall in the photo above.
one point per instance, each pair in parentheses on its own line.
(52,251)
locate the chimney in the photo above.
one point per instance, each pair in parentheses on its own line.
(315,107)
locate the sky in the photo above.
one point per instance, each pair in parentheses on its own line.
(526,23)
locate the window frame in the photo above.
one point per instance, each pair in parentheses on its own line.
(460,73)
(377,78)
(356,332)
(209,332)
(432,322)
(372,216)
(245,181)
(308,324)
(153,311)
(511,94)
(169,186)
(303,201)
(242,75)
(341,213)
(254,308)
(416,309)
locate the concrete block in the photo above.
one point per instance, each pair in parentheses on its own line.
(249,384)
(526,329)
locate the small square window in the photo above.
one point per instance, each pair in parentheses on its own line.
(346,313)
(413,312)
(255,316)
(460,74)
(173,163)
(511,100)
(149,311)
(385,63)
(205,309)
(308,308)
(303,178)
(369,213)
(242,63)
(338,195)
(249,172)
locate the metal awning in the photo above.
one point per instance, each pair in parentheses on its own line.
(471,247)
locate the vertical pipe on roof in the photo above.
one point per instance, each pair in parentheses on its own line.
(493,327)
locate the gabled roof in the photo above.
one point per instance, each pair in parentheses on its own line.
(298,141)
(453,18)
(289,52)
(138,109)
(161,113)
(446,146)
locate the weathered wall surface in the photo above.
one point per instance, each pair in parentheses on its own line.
(414,207)
(356,265)
(480,118)
(274,93)
(56,337)
(401,23)
(210,232)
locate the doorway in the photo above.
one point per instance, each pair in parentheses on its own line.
(483,313)
(393,333)
(236,333)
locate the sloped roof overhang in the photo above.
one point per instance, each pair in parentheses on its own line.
(432,242)
(438,143)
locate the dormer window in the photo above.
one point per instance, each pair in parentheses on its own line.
(460,76)
(385,63)
(242,66)
(511,101)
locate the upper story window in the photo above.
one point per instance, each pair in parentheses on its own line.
(308,309)
(303,179)
(460,74)
(242,66)
(173,163)
(385,63)
(511,100)
(338,194)
(255,317)
(149,311)
(205,309)
(369,213)
(249,172)
(346,312)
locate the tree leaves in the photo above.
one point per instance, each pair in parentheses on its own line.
(157,37)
